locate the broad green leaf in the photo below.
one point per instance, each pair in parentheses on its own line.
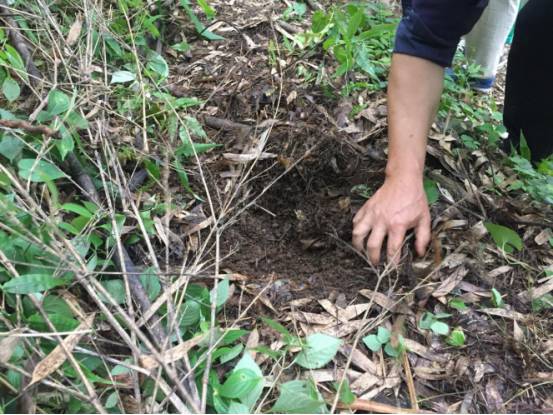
(32,283)
(190,313)
(66,144)
(276,326)
(457,304)
(221,296)
(10,147)
(207,9)
(58,102)
(431,190)
(497,299)
(116,289)
(15,60)
(346,395)
(318,351)
(426,321)
(372,342)
(112,400)
(505,238)
(198,25)
(188,149)
(239,384)
(76,120)
(439,327)
(238,408)
(543,303)
(56,305)
(150,282)
(393,351)
(39,171)
(299,397)
(186,102)
(120,77)
(231,353)
(181,47)
(78,209)
(61,322)
(157,64)
(247,362)
(230,336)
(456,338)
(383,335)
(10,89)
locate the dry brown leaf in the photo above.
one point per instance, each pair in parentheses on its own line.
(538,377)
(518,334)
(252,342)
(312,318)
(359,359)
(425,352)
(74,31)
(173,354)
(244,158)
(494,401)
(499,271)
(481,369)
(536,292)
(431,372)
(355,310)
(363,383)
(328,375)
(379,298)
(543,237)
(8,345)
(450,282)
(333,310)
(56,357)
(502,312)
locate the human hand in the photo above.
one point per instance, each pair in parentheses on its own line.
(399,205)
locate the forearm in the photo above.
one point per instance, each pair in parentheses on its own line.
(414,91)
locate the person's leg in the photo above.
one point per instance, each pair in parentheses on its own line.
(484,44)
(529,85)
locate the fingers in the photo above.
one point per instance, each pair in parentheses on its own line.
(422,232)
(361,228)
(374,243)
(394,244)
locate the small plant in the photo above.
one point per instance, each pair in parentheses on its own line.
(431,321)
(456,338)
(505,238)
(497,299)
(458,304)
(383,338)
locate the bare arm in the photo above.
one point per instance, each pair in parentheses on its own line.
(414,90)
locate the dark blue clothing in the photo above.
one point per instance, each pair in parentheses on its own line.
(431,29)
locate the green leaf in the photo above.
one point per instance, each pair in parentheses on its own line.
(505,238)
(372,342)
(221,296)
(192,127)
(198,25)
(121,77)
(392,351)
(458,304)
(426,321)
(383,335)
(112,400)
(207,9)
(10,147)
(299,397)
(239,384)
(346,395)
(238,408)
(15,60)
(231,353)
(276,326)
(431,190)
(116,289)
(543,303)
(39,171)
(78,209)
(497,299)
(190,314)
(157,64)
(58,102)
(11,89)
(456,338)
(32,283)
(319,349)
(250,399)
(439,327)
(61,322)
(181,47)
(150,282)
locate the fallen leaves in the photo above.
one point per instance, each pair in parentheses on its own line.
(56,357)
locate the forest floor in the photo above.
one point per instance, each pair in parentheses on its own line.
(296,159)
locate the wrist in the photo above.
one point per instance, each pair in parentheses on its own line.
(406,172)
